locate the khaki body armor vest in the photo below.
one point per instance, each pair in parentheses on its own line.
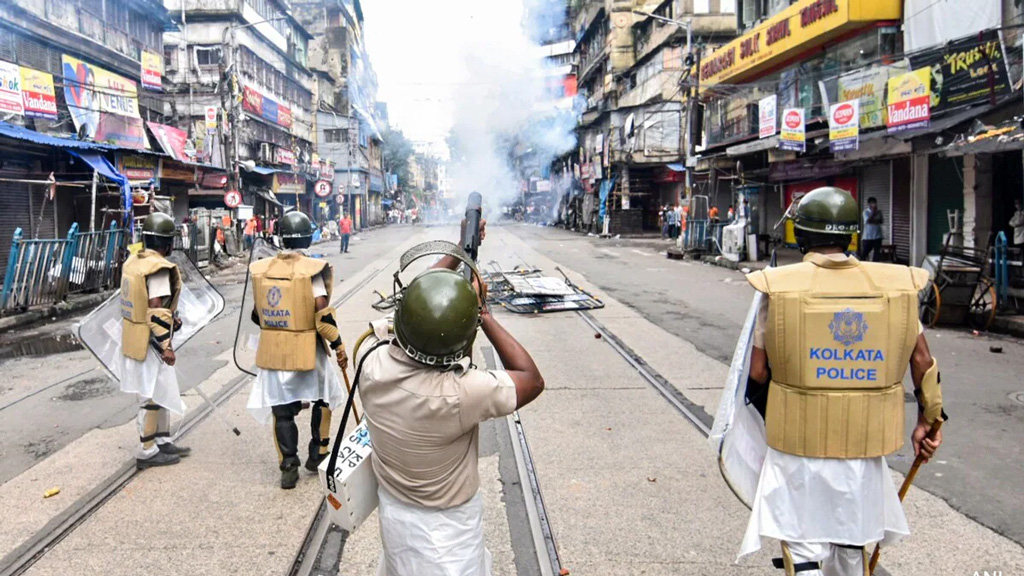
(283,295)
(135,316)
(839,338)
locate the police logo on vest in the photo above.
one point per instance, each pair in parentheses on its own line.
(274,297)
(848,328)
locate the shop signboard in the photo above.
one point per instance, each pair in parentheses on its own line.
(867,85)
(10,89)
(152,71)
(844,126)
(793,136)
(139,168)
(265,107)
(37,94)
(767,111)
(104,106)
(965,71)
(909,102)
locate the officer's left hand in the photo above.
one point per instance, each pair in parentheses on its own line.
(342,357)
(177,323)
(922,444)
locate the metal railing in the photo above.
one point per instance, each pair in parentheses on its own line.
(45,271)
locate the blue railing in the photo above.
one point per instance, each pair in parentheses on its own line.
(45,271)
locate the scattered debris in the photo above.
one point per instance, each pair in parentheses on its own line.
(563,572)
(523,290)
(745,270)
(597,335)
(51,492)
(651,480)
(995,349)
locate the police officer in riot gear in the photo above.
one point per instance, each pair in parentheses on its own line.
(298,326)
(831,344)
(150,287)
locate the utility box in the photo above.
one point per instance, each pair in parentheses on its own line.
(355,494)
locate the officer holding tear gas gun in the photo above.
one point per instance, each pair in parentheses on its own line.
(423,402)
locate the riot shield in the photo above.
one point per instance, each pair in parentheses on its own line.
(198,305)
(738,433)
(247,336)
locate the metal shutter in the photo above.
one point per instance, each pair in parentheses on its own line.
(876,180)
(14,197)
(901,168)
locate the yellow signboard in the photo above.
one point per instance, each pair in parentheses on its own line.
(801,26)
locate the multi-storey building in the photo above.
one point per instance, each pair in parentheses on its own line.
(634,84)
(78,76)
(349,130)
(243,93)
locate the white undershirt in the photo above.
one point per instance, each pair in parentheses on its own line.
(158,284)
(318,286)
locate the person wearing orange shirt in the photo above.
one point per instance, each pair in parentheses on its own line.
(345,229)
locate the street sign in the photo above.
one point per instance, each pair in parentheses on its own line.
(322,188)
(211,118)
(232,198)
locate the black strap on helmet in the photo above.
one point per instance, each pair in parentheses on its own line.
(333,461)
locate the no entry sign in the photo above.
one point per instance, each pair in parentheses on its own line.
(322,188)
(232,198)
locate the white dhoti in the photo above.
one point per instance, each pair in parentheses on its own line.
(432,542)
(156,384)
(278,387)
(821,502)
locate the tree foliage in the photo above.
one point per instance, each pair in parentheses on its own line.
(396,155)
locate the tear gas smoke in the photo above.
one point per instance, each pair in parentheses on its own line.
(505,125)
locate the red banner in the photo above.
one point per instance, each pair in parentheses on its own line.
(252,101)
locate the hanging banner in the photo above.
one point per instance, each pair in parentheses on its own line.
(909,101)
(867,85)
(844,126)
(104,106)
(10,89)
(172,140)
(255,102)
(793,135)
(152,71)
(211,118)
(966,71)
(283,155)
(767,114)
(37,94)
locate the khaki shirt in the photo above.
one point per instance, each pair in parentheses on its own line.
(424,425)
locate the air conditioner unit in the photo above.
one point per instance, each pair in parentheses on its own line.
(266,152)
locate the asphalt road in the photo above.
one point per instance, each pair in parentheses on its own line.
(980,469)
(56,392)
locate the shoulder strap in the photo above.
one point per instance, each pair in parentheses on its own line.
(333,461)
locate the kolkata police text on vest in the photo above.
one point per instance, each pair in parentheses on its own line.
(848,327)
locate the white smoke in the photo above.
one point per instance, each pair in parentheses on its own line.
(500,108)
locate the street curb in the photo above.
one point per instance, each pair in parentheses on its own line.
(1004,325)
(53,311)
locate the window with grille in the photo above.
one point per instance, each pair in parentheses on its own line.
(336,136)
(208,56)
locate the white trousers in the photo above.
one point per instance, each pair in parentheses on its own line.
(835,560)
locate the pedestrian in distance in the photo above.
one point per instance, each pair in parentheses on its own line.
(871,238)
(250,232)
(423,402)
(663,217)
(150,287)
(345,229)
(831,342)
(292,295)
(1017,223)
(731,214)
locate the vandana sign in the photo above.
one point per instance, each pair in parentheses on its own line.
(909,101)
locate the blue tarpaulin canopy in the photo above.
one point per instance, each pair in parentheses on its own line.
(101,165)
(676,167)
(21,133)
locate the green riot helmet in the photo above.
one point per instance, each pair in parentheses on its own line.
(296,230)
(437,317)
(825,217)
(158,232)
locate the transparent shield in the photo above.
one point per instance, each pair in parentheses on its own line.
(247,336)
(198,305)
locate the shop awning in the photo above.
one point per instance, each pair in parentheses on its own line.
(102,166)
(263,170)
(751,147)
(676,167)
(1008,138)
(269,197)
(21,133)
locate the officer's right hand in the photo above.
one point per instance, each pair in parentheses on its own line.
(922,444)
(168,357)
(342,357)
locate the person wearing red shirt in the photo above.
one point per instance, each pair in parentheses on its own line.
(345,229)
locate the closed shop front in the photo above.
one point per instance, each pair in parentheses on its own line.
(901,178)
(876,182)
(17,213)
(945,194)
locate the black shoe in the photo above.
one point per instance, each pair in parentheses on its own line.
(313,462)
(158,459)
(169,448)
(289,478)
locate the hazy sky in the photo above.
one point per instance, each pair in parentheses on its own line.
(418,49)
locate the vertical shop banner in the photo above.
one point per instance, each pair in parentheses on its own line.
(910,101)
(152,71)
(844,126)
(867,86)
(211,118)
(794,132)
(37,94)
(965,71)
(767,114)
(10,89)
(104,106)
